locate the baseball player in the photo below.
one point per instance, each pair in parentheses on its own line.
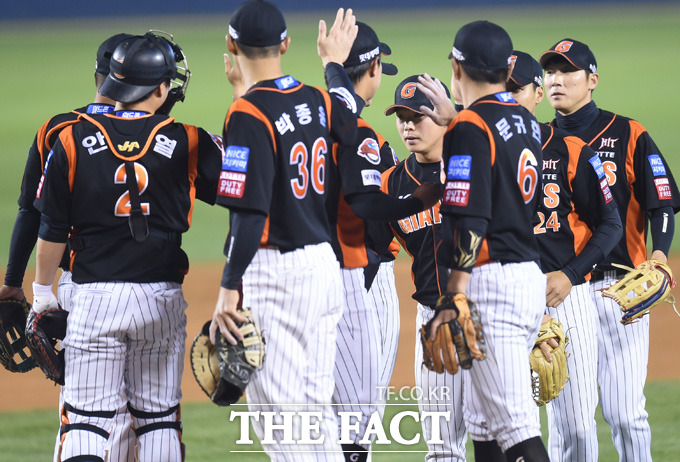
(368,329)
(121,187)
(26,225)
(646,195)
(578,225)
(420,235)
(492,153)
(278,138)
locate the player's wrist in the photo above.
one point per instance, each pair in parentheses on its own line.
(42,290)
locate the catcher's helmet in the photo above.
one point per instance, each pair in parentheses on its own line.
(141,63)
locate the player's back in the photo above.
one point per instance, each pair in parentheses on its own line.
(173,163)
(278,140)
(492,154)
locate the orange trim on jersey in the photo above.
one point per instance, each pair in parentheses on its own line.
(580,230)
(162,124)
(192,138)
(40,142)
(475,119)
(53,130)
(327,100)
(408,172)
(351,232)
(66,137)
(635,218)
(289,90)
(603,130)
(385,178)
(334,153)
(245,106)
(264,240)
(496,102)
(552,132)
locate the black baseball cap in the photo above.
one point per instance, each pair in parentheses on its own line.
(366,47)
(482,44)
(408,96)
(258,23)
(526,70)
(105,52)
(576,53)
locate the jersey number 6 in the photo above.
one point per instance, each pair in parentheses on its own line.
(527,175)
(300,157)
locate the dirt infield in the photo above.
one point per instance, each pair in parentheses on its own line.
(32,390)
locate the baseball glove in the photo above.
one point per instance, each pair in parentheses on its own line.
(44,330)
(13,354)
(456,342)
(223,371)
(549,378)
(643,288)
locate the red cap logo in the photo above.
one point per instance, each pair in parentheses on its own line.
(408,90)
(563,46)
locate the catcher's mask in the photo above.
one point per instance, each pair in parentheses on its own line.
(141,63)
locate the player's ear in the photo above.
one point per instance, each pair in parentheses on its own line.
(593,79)
(231,45)
(374,69)
(539,95)
(457,69)
(284,45)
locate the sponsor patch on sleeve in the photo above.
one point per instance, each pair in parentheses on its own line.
(235,158)
(663,188)
(231,184)
(459,167)
(457,193)
(597,165)
(606,192)
(370,150)
(370,177)
(658,168)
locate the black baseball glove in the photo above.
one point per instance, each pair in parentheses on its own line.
(13,353)
(44,330)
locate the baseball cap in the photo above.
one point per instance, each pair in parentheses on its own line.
(105,52)
(408,96)
(139,64)
(482,44)
(526,70)
(366,47)
(576,53)
(257,23)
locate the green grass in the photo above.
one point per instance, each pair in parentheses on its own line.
(47,69)
(210,436)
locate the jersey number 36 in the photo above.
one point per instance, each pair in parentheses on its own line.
(306,174)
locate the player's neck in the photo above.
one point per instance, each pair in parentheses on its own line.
(471,91)
(257,70)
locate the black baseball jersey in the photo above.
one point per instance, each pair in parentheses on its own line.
(638,176)
(278,139)
(42,144)
(492,155)
(355,169)
(419,234)
(85,185)
(575,197)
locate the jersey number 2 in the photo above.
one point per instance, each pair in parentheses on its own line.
(299,157)
(123,206)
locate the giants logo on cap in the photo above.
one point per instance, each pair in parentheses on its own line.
(563,46)
(408,90)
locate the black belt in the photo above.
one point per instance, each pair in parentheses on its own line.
(599,275)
